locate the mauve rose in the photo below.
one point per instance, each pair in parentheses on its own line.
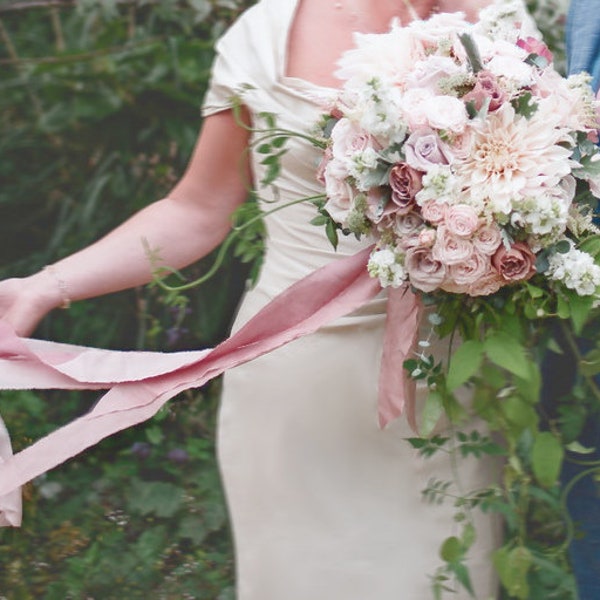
(487,239)
(405,182)
(408,224)
(424,272)
(449,248)
(424,148)
(535,46)
(434,211)
(488,284)
(516,263)
(486,87)
(461,220)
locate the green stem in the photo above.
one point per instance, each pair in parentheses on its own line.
(224,248)
(589,380)
(568,488)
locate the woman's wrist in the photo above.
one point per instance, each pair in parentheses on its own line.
(46,290)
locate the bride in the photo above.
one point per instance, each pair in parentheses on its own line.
(324,504)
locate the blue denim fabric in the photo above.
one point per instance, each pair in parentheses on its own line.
(583,40)
(583,54)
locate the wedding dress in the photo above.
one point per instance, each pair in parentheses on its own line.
(324,504)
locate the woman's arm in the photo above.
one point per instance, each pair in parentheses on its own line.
(188,224)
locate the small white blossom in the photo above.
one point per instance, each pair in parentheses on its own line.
(577,270)
(384,264)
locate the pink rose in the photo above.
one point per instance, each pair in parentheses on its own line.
(427,73)
(434,211)
(461,220)
(486,87)
(340,194)
(405,183)
(451,249)
(424,272)
(427,237)
(471,269)
(516,263)
(424,148)
(347,138)
(446,112)
(487,239)
(488,284)
(535,46)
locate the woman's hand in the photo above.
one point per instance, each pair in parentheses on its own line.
(25,302)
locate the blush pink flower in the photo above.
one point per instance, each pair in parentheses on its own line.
(467,272)
(487,239)
(405,182)
(427,237)
(451,249)
(434,211)
(488,284)
(424,271)
(461,220)
(535,46)
(516,263)
(486,90)
(447,113)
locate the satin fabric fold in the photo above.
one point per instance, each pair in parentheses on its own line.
(141,382)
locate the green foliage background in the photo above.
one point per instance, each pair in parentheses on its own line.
(99,110)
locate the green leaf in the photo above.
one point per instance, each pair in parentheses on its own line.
(507,352)
(563,311)
(155,497)
(580,310)
(519,413)
(513,566)
(590,363)
(451,550)
(546,458)
(432,412)
(465,363)
(332,234)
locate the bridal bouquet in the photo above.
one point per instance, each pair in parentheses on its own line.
(459,149)
(472,164)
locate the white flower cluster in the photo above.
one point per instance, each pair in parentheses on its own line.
(577,270)
(384,265)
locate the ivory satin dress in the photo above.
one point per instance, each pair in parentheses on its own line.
(324,504)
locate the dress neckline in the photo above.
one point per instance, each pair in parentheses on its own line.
(297,84)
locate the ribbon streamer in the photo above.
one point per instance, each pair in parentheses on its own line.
(142,382)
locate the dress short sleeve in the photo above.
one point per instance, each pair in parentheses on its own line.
(247,58)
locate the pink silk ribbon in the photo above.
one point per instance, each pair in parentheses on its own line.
(142,382)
